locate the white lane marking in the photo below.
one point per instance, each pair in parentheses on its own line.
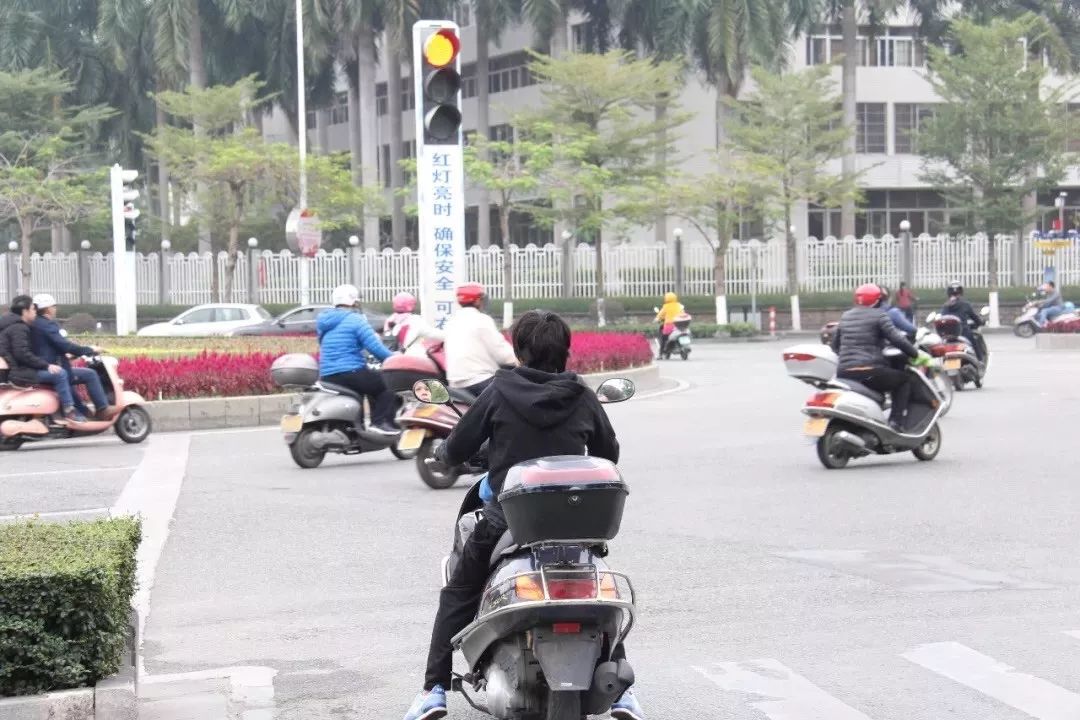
(250,687)
(779,693)
(1037,697)
(41,473)
(152,493)
(88,514)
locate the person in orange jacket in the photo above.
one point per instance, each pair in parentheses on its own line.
(666,317)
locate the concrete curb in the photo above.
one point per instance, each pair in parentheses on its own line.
(1057,341)
(114,698)
(266,410)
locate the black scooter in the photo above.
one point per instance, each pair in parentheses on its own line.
(546,643)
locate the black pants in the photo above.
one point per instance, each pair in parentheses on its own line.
(459,601)
(480,386)
(370,383)
(885,380)
(978,344)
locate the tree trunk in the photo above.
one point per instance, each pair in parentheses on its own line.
(356,162)
(230,262)
(850,29)
(660,112)
(792,252)
(601,286)
(197,78)
(56,238)
(322,130)
(397,174)
(483,128)
(508,261)
(162,176)
(25,231)
(368,128)
(991,261)
(723,241)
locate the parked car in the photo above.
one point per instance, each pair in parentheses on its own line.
(301,321)
(213,319)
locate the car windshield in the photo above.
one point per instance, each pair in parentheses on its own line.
(262,312)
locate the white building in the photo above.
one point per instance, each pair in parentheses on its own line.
(893,98)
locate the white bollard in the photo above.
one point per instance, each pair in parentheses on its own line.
(721,310)
(796,314)
(995,316)
(508,314)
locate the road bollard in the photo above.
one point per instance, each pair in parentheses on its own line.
(772,321)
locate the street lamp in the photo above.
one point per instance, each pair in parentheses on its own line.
(354,241)
(13,246)
(253,243)
(1059,201)
(166,245)
(907,264)
(85,244)
(566,235)
(678,261)
(905,226)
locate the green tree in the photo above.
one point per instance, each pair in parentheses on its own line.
(997,121)
(514,172)
(45,155)
(788,132)
(599,110)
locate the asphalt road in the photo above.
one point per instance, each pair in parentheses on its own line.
(768,586)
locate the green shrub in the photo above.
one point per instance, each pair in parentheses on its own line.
(741,330)
(80,323)
(65,599)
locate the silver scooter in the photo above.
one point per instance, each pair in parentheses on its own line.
(848,420)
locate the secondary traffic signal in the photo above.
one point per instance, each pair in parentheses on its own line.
(440,86)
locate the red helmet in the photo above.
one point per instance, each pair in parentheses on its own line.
(470,294)
(867,295)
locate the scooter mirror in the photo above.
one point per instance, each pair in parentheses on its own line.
(985,312)
(615,390)
(431,391)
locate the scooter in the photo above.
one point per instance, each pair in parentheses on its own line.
(678,337)
(324,417)
(1027,323)
(30,414)
(961,361)
(848,420)
(425,427)
(546,642)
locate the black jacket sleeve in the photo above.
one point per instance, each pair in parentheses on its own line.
(602,442)
(470,432)
(896,337)
(22,350)
(974,317)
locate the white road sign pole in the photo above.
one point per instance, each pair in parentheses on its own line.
(123,261)
(440,176)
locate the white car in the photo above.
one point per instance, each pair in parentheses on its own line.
(214,319)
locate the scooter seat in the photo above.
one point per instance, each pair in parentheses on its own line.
(858,387)
(505,546)
(341,390)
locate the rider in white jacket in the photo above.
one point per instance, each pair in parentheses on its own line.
(475,349)
(409,328)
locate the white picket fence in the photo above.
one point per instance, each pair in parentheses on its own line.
(828,265)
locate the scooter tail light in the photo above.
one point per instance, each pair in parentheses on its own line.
(609,588)
(823,399)
(529,587)
(566,628)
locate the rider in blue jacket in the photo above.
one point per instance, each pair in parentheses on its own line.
(343,336)
(898,317)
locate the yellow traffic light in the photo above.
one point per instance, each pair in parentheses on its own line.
(441,48)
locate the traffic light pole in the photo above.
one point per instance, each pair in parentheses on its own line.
(124,293)
(440,168)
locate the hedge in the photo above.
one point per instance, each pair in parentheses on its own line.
(65,599)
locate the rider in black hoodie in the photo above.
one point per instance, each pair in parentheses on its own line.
(532,411)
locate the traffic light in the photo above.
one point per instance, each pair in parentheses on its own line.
(130,215)
(123,203)
(440,85)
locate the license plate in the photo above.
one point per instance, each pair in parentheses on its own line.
(683,340)
(952,363)
(292,423)
(411,439)
(815,427)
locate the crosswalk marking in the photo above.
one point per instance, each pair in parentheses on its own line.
(782,694)
(1036,697)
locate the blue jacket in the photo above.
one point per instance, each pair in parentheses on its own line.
(342,335)
(899,319)
(51,346)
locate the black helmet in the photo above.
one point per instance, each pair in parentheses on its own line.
(954,289)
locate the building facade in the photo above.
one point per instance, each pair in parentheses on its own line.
(894,98)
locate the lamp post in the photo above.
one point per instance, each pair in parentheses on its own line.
(907,261)
(678,261)
(567,264)
(355,270)
(83,267)
(796,312)
(253,270)
(13,268)
(165,280)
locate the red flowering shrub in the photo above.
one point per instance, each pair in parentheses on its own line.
(223,374)
(1070,326)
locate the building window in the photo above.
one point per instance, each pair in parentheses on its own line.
(509,72)
(897,47)
(501,133)
(384,164)
(382,98)
(870,128)
(910,117)
(339,112)
(581,38)
(382,106)
(468,81)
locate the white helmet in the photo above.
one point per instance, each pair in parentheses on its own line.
(44,301)
(345,295)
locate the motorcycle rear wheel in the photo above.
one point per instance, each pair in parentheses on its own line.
(563,706)
(303,453)
(432,478)
(685,354)
(827,450)
(931,445)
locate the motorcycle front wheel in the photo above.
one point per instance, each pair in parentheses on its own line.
(434,479)
(1024,330)
(931,445)
(563,706)
(134,425)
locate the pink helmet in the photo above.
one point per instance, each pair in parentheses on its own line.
(404,302)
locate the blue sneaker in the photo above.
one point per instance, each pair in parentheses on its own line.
(428,705)
(627,708)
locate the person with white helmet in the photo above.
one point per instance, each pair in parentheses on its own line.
(50,344)
(343,336)
(408,328)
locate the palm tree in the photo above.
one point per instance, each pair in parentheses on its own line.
(492,17)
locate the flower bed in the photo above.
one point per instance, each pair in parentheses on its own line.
(175,368)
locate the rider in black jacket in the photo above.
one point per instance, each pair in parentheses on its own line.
(958,306)
(860,341)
